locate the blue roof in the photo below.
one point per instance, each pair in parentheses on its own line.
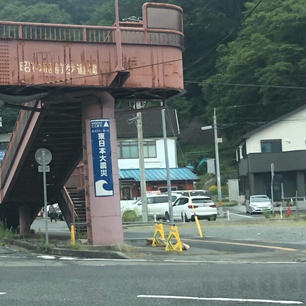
(159,174)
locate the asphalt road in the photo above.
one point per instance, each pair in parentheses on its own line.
(248,240)
(26,279)
(237,263)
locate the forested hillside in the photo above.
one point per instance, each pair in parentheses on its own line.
(246,58)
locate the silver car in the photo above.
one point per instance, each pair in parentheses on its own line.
(258,204)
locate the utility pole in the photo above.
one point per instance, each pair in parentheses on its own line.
(272,185)
(208,127)
(142,169)
(217,163)
(118,38)
(167,166)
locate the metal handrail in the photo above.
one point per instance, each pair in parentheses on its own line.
(89,34)
(70,203)
(16,138)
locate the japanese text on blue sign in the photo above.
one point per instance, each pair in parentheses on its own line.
(101,157)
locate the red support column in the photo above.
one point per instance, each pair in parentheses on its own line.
(103,213)
(25,220)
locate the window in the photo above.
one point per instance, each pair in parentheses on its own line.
(126,193)
(149,149)
(165,189)
(129,149)
(271,146)
(180,201)
(183,201)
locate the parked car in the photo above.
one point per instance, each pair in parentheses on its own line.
(192,193)
(258,204)
(158,205)
(185,208)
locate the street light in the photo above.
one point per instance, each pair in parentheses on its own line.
(204,128)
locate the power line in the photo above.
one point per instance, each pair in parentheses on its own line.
(187,82)
(246,85)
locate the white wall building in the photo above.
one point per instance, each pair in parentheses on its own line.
(281,142)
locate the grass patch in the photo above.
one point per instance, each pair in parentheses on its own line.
(76,246)
(130,216)
(267,213)
(5,233)
(45,247)
(229,204)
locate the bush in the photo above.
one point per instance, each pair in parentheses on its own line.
(224,190)
(130,216)
(267,213)
(213,189)
(5,232)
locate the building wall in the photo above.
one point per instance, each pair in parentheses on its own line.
(292,131)
(159,161)
(289,164)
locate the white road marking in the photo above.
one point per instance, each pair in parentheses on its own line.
(231,262)
(67,258)
(116,259)
(46,257)
(221,299)
(2,293)
(240,215)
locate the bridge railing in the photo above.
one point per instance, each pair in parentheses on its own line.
(17,136)
(89,34)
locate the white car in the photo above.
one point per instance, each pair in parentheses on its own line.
(185,208)
(258,204)
(192,193)
(158,205)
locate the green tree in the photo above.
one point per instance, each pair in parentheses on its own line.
(38,12)
(9,116)
(269,51)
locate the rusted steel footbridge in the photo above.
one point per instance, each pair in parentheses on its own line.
(63,78)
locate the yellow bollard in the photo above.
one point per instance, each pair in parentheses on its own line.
(196,218)
(72,235)
(198,226)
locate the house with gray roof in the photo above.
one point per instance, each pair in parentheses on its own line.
(277,148)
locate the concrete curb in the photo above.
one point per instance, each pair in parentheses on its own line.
(107,254)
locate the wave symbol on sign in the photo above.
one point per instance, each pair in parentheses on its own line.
(100,190)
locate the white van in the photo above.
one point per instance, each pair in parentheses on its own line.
(157,205)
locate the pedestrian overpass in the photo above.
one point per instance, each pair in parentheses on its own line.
(62,77)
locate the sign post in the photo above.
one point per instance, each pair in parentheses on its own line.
(43,157)
(167,167)
(272,185)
